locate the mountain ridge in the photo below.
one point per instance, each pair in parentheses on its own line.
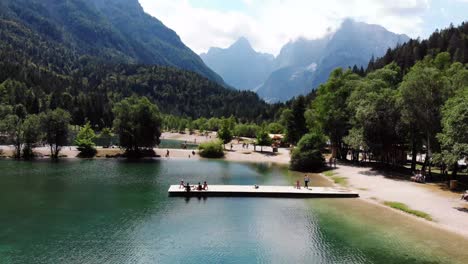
(113,30)
(239,54)
(310,61)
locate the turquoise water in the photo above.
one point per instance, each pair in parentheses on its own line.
(108,211)
(175,144)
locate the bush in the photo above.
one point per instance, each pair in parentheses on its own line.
(85,142)
(212,150)
(307,156)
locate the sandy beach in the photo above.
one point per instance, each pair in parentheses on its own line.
(237,153)
(445,207)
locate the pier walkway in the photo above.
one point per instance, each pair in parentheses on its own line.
(264,191)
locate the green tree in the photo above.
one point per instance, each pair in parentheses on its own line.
(31,134)
(275,128)
(246,130)
(85,141)
(55,128)
(423,93)
(330,113)
(225,133)
(454,135)
(263,139)
(12,127)
(307,156)
(355,140)
(294,120)
(138,123)
(106,137)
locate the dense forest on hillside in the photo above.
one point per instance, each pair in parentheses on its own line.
(117,31)
(42,67)
(453,40)
(90,93)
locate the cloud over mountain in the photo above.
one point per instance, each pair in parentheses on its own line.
(268,24)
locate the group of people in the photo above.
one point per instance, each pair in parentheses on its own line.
(306,182)
(419,176)
(245,145)
(189,187)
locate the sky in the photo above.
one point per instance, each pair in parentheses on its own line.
(269,24)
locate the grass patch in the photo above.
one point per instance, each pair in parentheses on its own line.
(337,179)
(403,207)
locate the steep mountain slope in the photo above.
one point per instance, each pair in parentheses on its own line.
(240,65)
(301,52)
(111,30)
(354,43)
(45,65)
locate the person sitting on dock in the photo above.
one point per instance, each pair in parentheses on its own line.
(205,186)
(187,187)
(200,187)
(182,185)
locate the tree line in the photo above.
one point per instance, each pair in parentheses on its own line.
(137,123)
(386,114)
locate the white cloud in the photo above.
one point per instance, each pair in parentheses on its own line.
(269,24)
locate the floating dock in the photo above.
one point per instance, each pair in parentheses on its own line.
(264,191)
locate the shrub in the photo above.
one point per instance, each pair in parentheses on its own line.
(85,141)
(307,156)
(212,150)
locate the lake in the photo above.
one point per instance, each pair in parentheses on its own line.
(112,211)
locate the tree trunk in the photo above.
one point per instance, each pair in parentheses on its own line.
(455,171)
(414,154)
(18,150)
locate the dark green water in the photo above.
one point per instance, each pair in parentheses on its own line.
(108,211)
(175,144)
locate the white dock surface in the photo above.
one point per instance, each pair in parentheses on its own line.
(264,191)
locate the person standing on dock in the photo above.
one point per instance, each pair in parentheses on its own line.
(298,184)
(306,181)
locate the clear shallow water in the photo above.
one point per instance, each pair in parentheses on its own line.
(175,144)
(108,211)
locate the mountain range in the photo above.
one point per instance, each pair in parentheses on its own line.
(303,64)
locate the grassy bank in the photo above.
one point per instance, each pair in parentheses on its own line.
(403,207)
(337,179)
